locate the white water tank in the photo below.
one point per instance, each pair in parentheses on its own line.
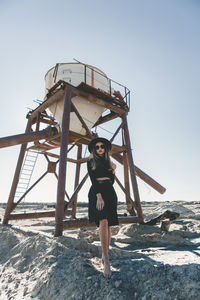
(75,73)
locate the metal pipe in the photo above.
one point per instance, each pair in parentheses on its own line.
(73,197)
(81,120)
(132,167)
(150,181)
(129,204)
(55,97)
(130,201)
(145,177)
(77,176)
(62,164)
(27,137)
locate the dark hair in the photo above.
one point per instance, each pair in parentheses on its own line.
(96,159)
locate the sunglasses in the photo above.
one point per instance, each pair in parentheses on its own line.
(97,147)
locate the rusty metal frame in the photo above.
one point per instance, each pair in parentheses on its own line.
(29,189)
(62,164)
(16,177)
(77,176)
(122,154)
(132,167)
(81,120)
(77,223)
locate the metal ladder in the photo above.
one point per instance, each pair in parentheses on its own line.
(26,173)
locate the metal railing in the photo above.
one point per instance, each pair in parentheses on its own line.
(113,85)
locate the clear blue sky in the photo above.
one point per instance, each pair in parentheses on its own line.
(152,47)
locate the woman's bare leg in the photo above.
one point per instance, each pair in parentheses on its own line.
(104,238)
(108,241)
(109,237)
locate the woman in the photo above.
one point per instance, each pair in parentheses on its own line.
(102,196)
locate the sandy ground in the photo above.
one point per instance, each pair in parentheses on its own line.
(147,263)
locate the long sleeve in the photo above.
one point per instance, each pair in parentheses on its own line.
(112,177)
(92,178)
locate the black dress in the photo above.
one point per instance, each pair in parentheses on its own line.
(107,191)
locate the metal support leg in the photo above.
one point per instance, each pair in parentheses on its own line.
(129,204)
(132,167)
(78,165)
(63,164)
(9,206)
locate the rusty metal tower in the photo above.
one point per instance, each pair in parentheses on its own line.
(80,98)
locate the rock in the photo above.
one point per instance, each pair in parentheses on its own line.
(51,259)
(25,291)
(118,283)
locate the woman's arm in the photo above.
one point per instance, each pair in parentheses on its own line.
(113,167)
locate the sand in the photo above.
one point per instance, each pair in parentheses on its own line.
(147,263)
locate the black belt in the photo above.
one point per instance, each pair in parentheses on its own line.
(104,181)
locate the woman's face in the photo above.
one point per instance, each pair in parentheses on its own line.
(100,148)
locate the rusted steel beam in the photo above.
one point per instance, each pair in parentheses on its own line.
(27,137)
(73,197)
(83,139)
(55,97)
(36,215)
(116,133)
(82,160)
(142,175)
(98,101)
(38,122)
(68,159)
(62,164)
(77,176)
(51,90)
(58,156)
(66,194)
(81,120)
(9,206)
(129,203)
(108,117)
(31,187)
(78,223)
(131,167)
(150,181)
(48,122)
(117,149)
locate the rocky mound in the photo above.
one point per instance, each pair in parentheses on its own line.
(38,266)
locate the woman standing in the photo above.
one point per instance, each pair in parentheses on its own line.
(102,196)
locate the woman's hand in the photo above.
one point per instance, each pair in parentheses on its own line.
(113,168)
(100,202)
